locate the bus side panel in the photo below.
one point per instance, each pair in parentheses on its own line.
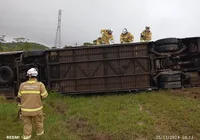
(99,69)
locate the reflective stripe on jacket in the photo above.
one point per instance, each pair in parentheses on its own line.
(31,92)
(125,38)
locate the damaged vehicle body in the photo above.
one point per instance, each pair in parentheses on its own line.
(163,64)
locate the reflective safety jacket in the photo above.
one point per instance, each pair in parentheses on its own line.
(126,38)
(31,94)
(145,36)
(106,37)
(97,41)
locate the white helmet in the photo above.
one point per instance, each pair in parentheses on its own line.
(147,27)
(124,31)
(110,31)
(32,72)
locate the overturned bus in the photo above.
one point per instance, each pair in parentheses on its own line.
(165,63)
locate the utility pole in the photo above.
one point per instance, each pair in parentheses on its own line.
(57,43)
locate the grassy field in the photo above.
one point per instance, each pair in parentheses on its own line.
(141,116)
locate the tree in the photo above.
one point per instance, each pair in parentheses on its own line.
(20,39)
(2,39)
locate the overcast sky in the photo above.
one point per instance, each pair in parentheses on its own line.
(82,20)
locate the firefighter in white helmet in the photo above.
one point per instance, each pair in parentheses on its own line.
(107,36)
(146,35)
(126,37)
(31,94)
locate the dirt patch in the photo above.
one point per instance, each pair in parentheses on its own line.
(140,123)
(84,130)
(81,122)
(188,92)
(140,107)
(61,108)
(51,104)
(77,124)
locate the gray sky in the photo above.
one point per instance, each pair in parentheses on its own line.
(82,20)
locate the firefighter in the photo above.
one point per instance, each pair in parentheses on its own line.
(107,36)
(97,41)
(126,37)
(30,97)
(146,35)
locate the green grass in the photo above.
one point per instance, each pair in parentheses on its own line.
(21,46)
(140,116)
